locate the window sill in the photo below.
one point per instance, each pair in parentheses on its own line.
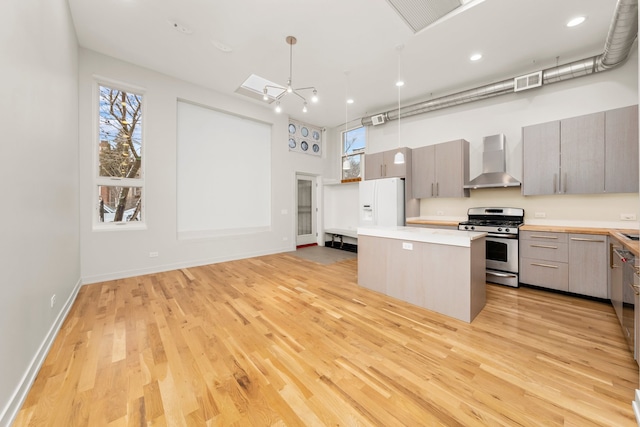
(120,226)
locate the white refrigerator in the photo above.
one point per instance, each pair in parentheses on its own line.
(381,202)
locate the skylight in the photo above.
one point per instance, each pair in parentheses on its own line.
(254,86)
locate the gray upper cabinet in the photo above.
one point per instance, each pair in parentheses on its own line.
(381,165)
(582,154)
(589,154)
(621,150)
(441,170)
(541,152)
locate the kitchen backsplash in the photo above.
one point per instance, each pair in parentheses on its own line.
(582,210)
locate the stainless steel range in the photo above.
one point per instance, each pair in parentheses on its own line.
(502,226)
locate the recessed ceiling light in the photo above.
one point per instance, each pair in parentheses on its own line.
(475,57)
(576,21)
(400,83)
(221,46)
(179,27)
(350,101)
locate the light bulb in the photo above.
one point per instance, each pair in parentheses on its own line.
(314,98)
(289,89)
(304,108)
(265,96)
(278,108)
(399,83)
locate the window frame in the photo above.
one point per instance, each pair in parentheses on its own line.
(109,181)
(359,152)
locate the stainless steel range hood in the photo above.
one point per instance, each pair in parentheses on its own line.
(494,166)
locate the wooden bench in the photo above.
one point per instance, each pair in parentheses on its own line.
(341,233)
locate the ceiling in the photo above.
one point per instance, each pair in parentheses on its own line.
(343,45)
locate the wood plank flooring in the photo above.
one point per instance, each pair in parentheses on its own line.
(278,340)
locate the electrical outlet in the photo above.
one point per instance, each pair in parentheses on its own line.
(408,246)
(153,254)
(540,214)
(53,300)
(627,217)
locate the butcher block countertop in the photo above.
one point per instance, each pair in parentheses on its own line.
(618,234)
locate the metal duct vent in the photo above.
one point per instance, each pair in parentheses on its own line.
(378,119)
(527,82)
(419,14)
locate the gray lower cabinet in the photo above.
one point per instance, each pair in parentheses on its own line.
(589,154)
(544,260)
(440,170)
(588,261)
(574,263)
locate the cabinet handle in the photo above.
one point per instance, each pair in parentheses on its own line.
(634,288)
(432,189)
(581,239)
(437,188)
(555,183)
(544,265)
(537,236)
(544,246)
(564,183)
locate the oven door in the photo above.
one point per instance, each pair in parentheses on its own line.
(502,260)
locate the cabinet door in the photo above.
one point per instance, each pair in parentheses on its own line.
(621,150)
(373,166)
(588,265)
(452,168)
(391,169)
(541,158)
(423,172)
(582,159)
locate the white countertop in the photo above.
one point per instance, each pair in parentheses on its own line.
(421,234)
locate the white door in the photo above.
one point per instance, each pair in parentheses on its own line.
(306,211)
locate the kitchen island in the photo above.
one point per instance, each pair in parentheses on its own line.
(440,270)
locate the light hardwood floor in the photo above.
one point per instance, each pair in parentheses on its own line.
(279,340)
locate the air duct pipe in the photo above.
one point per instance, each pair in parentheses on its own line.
(620,38)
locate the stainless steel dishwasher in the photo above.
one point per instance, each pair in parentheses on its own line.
(625,290)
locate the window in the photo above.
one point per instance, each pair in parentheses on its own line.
(119,181)
(354,142)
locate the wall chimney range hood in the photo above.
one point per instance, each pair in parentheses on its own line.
(494,166)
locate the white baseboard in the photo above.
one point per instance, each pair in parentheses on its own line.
(10,411)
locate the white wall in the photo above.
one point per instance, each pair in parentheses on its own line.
(123,253)
(508,114)
(39,248)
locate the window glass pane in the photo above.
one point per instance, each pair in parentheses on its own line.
(354,170)
(117,204)
(120,133)
(353,140)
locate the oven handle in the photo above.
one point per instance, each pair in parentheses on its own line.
(635,288)
(503,236)
(501,274)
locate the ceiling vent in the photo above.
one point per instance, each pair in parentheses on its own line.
(527,82)
(378,119)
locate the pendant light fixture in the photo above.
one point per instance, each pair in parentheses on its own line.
(398,159)
(289,89)
(346,164)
